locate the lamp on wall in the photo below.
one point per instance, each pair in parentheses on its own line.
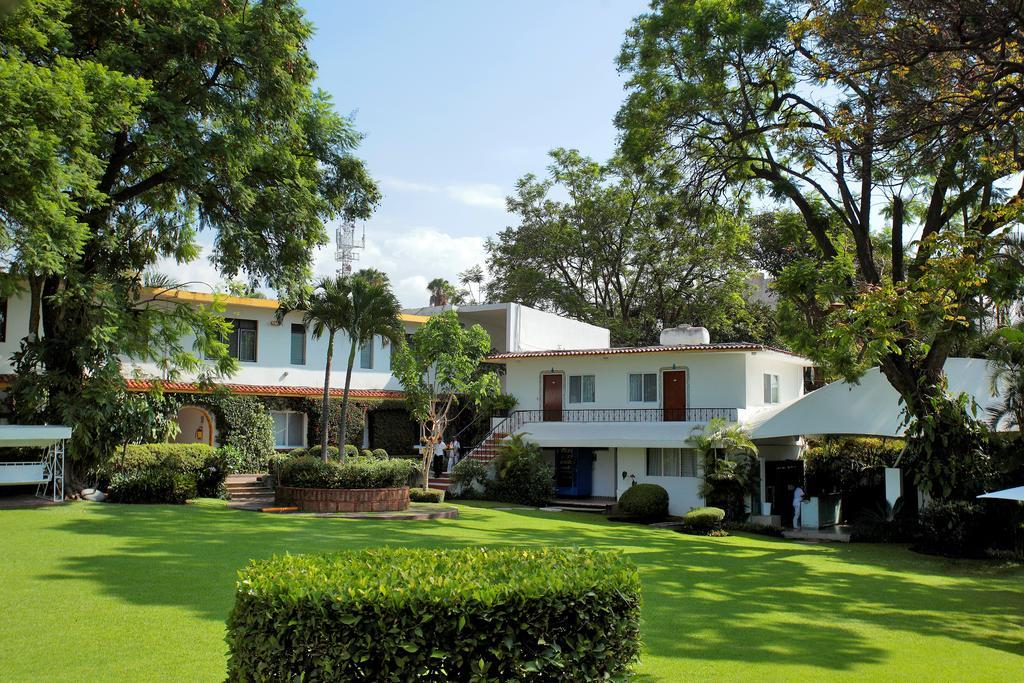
(199,433)
(673,366)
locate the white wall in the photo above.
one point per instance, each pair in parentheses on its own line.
(714,379)
(273,357)
(789,369)
(605,476)
(273,352)
(533,330)
(683,492)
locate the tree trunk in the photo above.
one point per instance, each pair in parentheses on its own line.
(325,410)
(918,383)
(343,429)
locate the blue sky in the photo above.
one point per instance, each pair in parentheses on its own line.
(458,99)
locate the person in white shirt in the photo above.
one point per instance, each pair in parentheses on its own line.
(453,453)
(798,497)
(438,457)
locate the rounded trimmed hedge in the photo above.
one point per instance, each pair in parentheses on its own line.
(704,519)
(358,473)
(644,501)
(398,614)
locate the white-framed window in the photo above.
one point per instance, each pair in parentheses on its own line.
(298,350)
(671,462)
(643,387)
(289,429)
(366,356)
(581,389)
(771,388)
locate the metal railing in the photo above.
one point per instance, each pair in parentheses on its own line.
(518,418)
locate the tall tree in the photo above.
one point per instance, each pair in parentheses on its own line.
(439,370)
(444,293)
(374,312)
(170,119)
(817,104)
(327,310)
(625,249)
(474,275)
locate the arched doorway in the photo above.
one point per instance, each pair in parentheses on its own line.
(196,425)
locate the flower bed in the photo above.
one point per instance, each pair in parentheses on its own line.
(359,485)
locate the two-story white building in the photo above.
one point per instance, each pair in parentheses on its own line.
(608,417)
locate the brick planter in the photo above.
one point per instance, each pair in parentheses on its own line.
(343,500)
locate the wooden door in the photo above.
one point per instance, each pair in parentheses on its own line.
(552,402)
(673,395)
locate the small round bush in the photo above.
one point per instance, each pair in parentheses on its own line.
(298,452)
(366,453)
(380,454)
(704,519)
(469,477)
(351,451)
(333,453)
(645,501)
(955,529)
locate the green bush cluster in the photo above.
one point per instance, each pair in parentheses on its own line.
(379,454)
(645,502)
(469,478)
(753,528)
(151,485)
(419,495)
(359,473)
(838,465)
(401,614)
(204,466)
(954,529)
(704,519)
(522,474)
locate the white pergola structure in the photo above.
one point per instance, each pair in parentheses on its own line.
(47,473)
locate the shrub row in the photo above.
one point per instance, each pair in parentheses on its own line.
(522,474)
(399,614)
(358,473)
(198,469)
(418,495)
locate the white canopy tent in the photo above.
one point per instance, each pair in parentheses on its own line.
(46,473)
(1016,493)
(869,408)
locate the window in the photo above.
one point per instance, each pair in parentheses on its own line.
(771,388)
(298,344)
(581,388)
(289,429)
(242,340)
(643,388)
(671,462)
(366,356)
(3,319)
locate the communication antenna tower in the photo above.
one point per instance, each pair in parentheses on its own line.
(345,239)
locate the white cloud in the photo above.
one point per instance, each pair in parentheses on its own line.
(411,258)
(486,195)
(482,194)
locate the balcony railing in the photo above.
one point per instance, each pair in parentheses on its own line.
(626,415)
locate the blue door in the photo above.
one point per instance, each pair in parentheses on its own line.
(574,472)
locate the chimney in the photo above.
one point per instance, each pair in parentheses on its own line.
(685,334)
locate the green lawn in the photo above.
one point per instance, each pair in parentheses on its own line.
(94,591)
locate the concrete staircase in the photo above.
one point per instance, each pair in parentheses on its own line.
(249,491)
(488,448)
(442,482)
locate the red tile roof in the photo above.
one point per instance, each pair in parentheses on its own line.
(729,346)
(258,389)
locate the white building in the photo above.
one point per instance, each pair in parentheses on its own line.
(608,417)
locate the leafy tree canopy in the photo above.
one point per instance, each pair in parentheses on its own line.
(860,118)
(622,248)
(129,128)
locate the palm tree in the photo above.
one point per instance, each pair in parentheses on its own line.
(374,312)
(1006,363)
(440,291)
(473,276)
(328,310)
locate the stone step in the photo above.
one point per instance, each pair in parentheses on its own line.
(246,487)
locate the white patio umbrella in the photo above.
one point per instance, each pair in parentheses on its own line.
(1016,493)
